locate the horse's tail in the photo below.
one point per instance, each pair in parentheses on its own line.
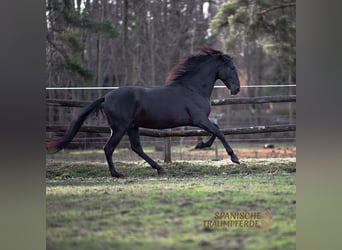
(75,125)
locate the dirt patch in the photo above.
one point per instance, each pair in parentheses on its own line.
(209,154)
(249,153)
(267,152)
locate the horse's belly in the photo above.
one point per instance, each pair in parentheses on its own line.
(161,118)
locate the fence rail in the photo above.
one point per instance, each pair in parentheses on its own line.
(185,133)
(215,87)
(214,102)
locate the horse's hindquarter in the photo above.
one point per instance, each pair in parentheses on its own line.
(119,106)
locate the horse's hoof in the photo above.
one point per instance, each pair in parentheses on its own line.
(161,171)
(117,175)
(235,159)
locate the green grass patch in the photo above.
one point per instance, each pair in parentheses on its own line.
(67,169)
(87,209)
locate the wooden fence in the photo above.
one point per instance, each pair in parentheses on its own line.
(185,133)
(192,132)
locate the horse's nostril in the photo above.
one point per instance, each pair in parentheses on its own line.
(238,89)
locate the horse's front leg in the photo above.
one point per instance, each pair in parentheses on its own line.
(212,128)
(208,143)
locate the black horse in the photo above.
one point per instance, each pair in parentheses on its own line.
(184,101)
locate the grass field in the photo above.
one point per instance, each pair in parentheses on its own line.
(87,209)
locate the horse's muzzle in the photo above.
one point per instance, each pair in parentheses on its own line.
(235,91)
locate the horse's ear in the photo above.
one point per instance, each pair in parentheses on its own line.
(209,51)
(228,57)
(204,49)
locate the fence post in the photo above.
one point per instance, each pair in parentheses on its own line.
(290,93)
(167,149)
(216,148)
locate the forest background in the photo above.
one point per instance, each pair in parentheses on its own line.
(115,43)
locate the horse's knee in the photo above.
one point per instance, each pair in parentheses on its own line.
(108,149)
(136,148)
(135,145)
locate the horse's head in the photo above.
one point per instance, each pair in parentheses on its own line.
(227,73)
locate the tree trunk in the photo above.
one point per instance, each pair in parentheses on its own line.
(99,54)
(259,70)
(125,40)
(153,80)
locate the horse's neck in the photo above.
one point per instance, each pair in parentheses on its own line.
(202,82)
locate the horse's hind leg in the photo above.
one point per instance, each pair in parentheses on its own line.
(109,148)
(134,138)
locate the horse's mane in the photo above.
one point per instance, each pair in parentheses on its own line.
(190,63)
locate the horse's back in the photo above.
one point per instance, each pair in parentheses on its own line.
(157,107)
